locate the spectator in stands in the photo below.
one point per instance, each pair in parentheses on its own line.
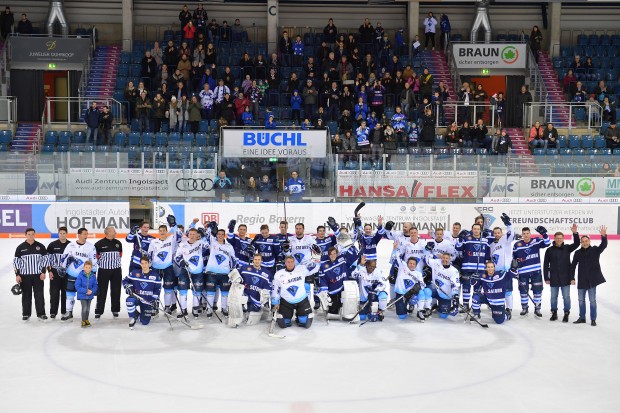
(333,102)
(503,144)
(163,77)
(344,70)
(247,118)
(238,32)
(149,67)
(590,69)
(105,123)
(366,32)
(171,54)
(200,17)
(189,32)
(159,111)
(426,84)
(363,137)
(606,170)
(600,91)
(427,135)
(385,48)
(336,144)
(412,134)
(524,99)
(466,98)
(437,106)
(158,54)
(261,66)
(368,66)
(310,98)
(7,21)
(285,46)
(24,26)
(551,137)
(227,109)
(430,26)
(592,107)
(247,65)
(130,94)
(185,16)
(399,123)
(345,122)
(617,171)
(143,111)
(199,55)
(580,95)
(298,51)
(612,136)
(407,100)
(578,68)
(213,30)
(207,77)
(266,189)
(394,66)
(91,118)
(536,42)
(361,110)
(295,187)
(377,98)
(185,67)
(446,29)
(194,114)
(452,136)
(377,139)
(165,92)
(222,187)
(183,114)
(537,136)
(349,142)
(180,90)
(250,193)
(254,96)
(465,135)
(229,77)
(241,104)
(173,114)
(609,110)
(500,106)
(330,32)
(296,103)
(479,135)
(569,81)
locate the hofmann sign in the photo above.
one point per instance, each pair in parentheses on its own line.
(49,52)
(274,143)
(490,56)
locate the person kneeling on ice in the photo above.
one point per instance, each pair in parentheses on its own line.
(250,291)
(339,295)
(409,285)
(142,287)
(291,286)
(444,287)
(493,292)
(372,285)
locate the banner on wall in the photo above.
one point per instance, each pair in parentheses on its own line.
(46,218)
(490,55)
(274,143)
(556,187)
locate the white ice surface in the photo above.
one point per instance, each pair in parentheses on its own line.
(525,365)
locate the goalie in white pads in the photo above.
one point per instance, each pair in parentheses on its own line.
(249,293)
(372,286)
(338,294)
(289,295)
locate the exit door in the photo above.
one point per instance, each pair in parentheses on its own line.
(56,85)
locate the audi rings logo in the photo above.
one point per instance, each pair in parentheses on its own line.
(194,184)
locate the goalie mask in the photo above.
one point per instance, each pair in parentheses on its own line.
(345,240)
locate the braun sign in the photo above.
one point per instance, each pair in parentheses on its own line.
(492,56)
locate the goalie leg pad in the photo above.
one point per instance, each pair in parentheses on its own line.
(254,317)
(350,297)
(234,276)
(236,300)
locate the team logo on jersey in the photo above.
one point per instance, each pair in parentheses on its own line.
(477,247)
(254,280)
(144,285)
(439,283)
(527,250)
(519,244)
(220,258)
(408,284)
(162,255)
(194,260)
(244,246)
(337,270)
(292,290)
(77,263)
(298,256)
(38,248)
(263,247)
(490,285)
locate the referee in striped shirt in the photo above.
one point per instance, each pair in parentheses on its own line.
(30,265)
(109,254)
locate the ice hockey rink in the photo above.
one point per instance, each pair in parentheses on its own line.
(526,364)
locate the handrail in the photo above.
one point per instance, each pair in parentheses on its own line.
(546,112)
(82,104)
(11,110)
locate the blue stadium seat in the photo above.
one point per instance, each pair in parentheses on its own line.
(551,152)
(174,138)
(161,139)
(604,151)
(539,152)
(188,138)
(134,138)
(579,152)
(587,141)
(148,138)
(48,148)
(201,139)
(574,141)
(79,137)
(562,141)
(120,139)
(566,152)
(203,126)
(51,137)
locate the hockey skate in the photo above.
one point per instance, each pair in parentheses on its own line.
(132,322)
(421,316)
(524,311)
(182,313)
(225,312)
(537,312)
(464,309)
(195,312)
(68,316)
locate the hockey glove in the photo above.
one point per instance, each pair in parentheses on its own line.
(430,246)
(454,305)
(389,225)
(331,222)
(130,290)
(172,221)
(316,253)
(212,228)
(201,232)
(505,219)
(286,246)
(393,275)
(134,229)
(463,234)
(375,285)
(412,291)
(62,272)
(231,226)
(357,222)
(325,299)
(487,233)
(250,250)
(474,279)
(541,230)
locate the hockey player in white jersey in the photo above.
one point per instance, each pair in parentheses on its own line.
(190,257)
(221,262)
(444,287)
(501,254)
(373,287)
(441,245)
(414,247)
(400,237)
(289,294)
(161,253)
(73,259)
(299,245)
(453,236)
(410,284)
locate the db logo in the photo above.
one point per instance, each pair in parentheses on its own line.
(210,216)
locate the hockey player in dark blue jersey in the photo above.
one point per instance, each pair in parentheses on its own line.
(526,260)
(282,238)
(141,240)
(333,277)
(269,249)
(369,241)
(244,251)
(325,242)
(476,252)
(249,293)
(493,292)
(143,287)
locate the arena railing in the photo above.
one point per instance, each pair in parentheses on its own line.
(66,112)
(570,115)
(8,111)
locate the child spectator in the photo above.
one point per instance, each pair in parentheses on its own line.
(298,51)
(296,106)
(247,118)
(270,123)
(86,287)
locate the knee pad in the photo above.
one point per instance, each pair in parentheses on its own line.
(498,313)
(465,280)
(428,293)
(402,316)
(283,322)
(443,315)
(210,286)
(305,320)
(523,286)
(537,287)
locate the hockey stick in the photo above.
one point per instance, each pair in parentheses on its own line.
(272,328)
(350,320)
(358,208)
(191,283)
(169,322)
(471,316)
(180,308)
(193,327)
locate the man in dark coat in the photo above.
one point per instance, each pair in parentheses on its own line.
(588,258)
(556,270)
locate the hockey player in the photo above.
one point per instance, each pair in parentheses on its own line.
(410,284)
(242,244)
(161,254)
(400,237)
(493,291)
(444,287)
(414,247)
(289,295)
(299,245)
(142,287)
(140,238)
(190,256)
(269,249)
(221,261)
(501,255)
(440,245)
(475,250)
(281,237)
(325,242)
(369,241)
(332,275)
(453,236)
(250,291)
(526,252)
(58,281)
(372,285)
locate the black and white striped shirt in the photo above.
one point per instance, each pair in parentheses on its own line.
(109,253)
(55,251)
(30,259)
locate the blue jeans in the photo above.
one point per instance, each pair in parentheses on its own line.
(582,302)
(555,291)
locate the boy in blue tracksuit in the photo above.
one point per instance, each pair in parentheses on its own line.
(296,107)
(247,117)
(87,288)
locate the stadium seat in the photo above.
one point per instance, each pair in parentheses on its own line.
(188,138)
(134,138)
(562,141)
(79,137)
(51,137)
(201,139)
(64,137)
(161,139)
(539,152)
(587,141)
(148,138)
(120,139)
(174,138)
(574,142)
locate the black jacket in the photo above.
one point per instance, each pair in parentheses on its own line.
(588,259)
(556,266)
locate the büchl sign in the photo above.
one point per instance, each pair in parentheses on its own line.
(493,55)
(274,143)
